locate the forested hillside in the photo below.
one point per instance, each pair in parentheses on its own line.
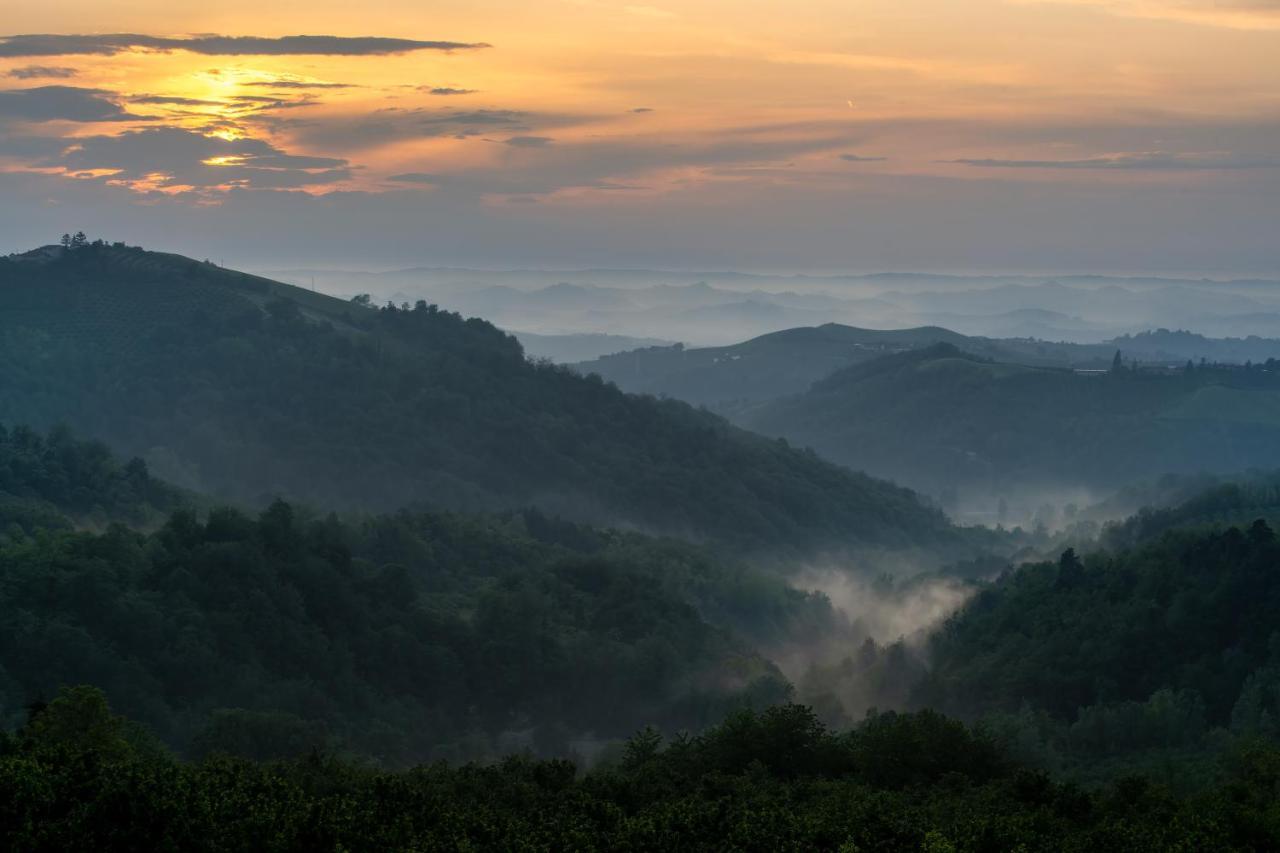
(404,637)
(1240,501)
(938,417)
(1164,649)
(248,389)
(338,650)
(57,481)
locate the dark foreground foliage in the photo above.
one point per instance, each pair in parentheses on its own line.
(77,778)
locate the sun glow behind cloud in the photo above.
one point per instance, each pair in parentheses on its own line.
(227,89)
(590,104)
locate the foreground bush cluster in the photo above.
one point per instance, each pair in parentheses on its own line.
(75,777)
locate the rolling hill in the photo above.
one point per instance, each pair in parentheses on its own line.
(940,418)
(762,368)
(248,389)
(730,378)
(570,348)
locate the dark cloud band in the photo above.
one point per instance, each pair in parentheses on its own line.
(1125,162)
(61,103)
(297,84)
(214,45)
(172,100)
(528,141)
(33,72)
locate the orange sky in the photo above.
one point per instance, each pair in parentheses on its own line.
(586,104)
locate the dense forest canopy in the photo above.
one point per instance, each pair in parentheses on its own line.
(1221,501)
(57,481)
(296,640)
(416,635)
(248,389)
(403,637)
(1164,649)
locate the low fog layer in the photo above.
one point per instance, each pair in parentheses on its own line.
(717,308)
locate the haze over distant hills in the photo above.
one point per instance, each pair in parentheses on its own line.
(581,347)
(781,363)
(721,308)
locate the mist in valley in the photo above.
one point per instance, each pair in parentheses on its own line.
(874,649)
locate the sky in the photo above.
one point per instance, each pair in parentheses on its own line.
(807,136)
